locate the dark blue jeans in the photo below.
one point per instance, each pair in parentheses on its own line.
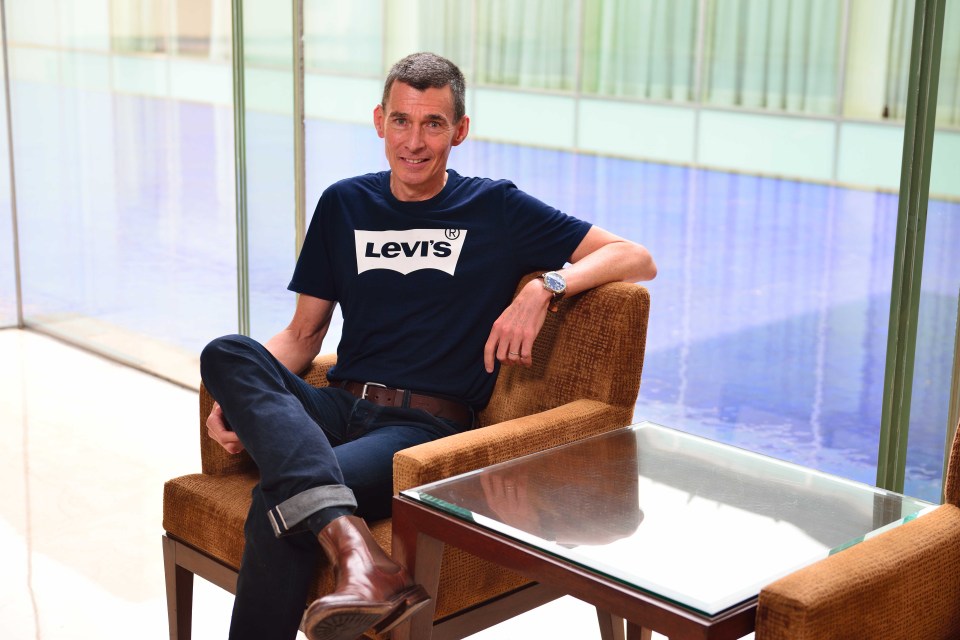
(315,448)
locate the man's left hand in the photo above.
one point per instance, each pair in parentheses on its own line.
(514,332)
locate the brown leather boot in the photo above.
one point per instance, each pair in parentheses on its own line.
(372,590)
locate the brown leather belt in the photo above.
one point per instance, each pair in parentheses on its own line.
(389,397)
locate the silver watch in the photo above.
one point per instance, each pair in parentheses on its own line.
(555,283)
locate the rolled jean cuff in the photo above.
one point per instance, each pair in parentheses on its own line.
(288,516)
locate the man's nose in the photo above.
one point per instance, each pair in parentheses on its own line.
(415,139)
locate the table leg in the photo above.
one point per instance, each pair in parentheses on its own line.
(636,632)
(421,555)
(611,626)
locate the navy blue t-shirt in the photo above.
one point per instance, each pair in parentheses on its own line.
(420,284)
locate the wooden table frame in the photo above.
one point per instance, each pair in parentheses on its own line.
(419,535)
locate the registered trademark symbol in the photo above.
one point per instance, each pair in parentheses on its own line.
(452,234)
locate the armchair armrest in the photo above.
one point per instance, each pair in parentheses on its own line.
(504,441)
(213,458)
(903,583)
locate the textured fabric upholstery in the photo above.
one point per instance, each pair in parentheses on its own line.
(903,584)
(951,485)
(588,361)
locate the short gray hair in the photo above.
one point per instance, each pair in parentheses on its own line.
(424,71)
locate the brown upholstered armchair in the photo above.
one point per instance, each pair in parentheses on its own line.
(903,584)
(585,378)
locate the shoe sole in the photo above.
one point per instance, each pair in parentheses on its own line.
(348,621)
(344,622)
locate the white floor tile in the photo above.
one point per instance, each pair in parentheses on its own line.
(85,447)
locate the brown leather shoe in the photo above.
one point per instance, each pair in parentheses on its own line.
(372,590)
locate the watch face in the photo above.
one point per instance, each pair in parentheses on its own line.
(554,281)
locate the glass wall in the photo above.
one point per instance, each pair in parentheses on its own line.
(754,146)
(824,77)
(125,175)
(269,130)
(8,273)
(770,311)
(940,287)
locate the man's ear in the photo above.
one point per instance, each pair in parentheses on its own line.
(378,119)
(463,128)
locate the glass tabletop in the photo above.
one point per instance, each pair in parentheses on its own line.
(700,523)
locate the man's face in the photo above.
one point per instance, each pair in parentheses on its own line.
(418,132)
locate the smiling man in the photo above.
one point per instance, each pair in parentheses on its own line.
(419,130)
(423,262)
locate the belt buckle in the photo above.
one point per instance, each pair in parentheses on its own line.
(363,393)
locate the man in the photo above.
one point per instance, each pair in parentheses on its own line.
(423,262)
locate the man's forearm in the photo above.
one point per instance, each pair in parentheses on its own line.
(619,261)
(296,350)
(297,345)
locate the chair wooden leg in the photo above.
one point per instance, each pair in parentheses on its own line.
(636,632)
(179,593)
(611,626)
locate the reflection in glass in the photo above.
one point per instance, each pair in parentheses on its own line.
(125,200)
(530,44)
(568,497)
(446,27)
(202,29)
(269,131)
(344,38)
(940,286)
(782,56)
(197,28)
(897,68)
(643,49)
(948,97)
(141,27)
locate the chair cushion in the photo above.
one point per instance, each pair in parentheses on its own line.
(207,512)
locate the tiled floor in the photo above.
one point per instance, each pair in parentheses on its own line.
(85,446)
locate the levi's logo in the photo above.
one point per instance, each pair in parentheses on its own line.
(408,251)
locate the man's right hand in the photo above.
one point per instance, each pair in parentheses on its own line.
(219,430)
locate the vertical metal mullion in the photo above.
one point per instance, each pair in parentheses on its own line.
(908,254)
(892,75)
(240,168)
(841,87)
(299,130)
(18,282)
(698,72)
(897,84)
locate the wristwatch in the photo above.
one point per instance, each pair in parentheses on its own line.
(555,284)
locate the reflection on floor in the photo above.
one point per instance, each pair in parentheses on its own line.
(85,447)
